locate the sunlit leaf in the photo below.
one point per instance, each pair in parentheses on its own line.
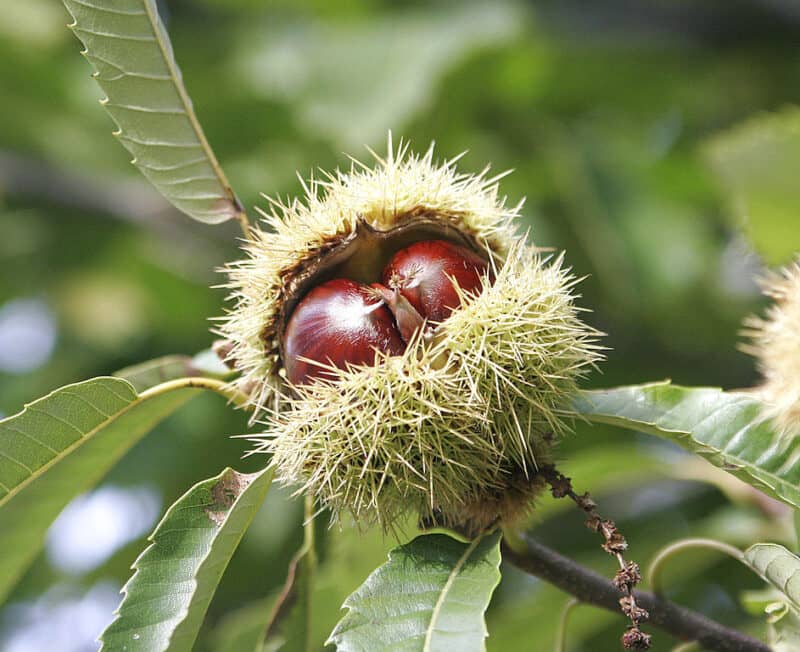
(130,50)
(431,595)
(781,569)
(757,163)
(777,566)
(176,576)
(784,631)
(727,428)
(60,446)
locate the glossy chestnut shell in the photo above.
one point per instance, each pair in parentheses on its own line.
(343,322)
(337,323)
(425,273)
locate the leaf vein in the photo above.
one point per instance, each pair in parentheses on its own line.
(198,196)
(132,396)
(167,168)
(92,57)
(17,462)
(112,35)
(108,10)
(178,182)
(445,590)
(158,143)
(144,109)
(32,438)
(83,399)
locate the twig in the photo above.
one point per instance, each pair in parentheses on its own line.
(590,587)
(615,545)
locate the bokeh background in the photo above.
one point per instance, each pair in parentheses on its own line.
(612,114)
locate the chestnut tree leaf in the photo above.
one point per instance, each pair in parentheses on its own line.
(60,446)
(784,629)
(130,51)
(797,530)
(726,428)
(167,597)
(781,569)
(431,595)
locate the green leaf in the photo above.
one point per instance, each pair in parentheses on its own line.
(431,595)
(351,555)
(796,521)
(131,53)
(726,428)
(171,367)
(777,566)
(289,628)
(757,164)
(784,630)
(60,446)
(176,576)
(781,569)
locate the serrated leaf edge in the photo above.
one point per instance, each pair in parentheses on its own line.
(452,576)
(136,399)
(184,611)
(751,556)
(763,478)
(161,37)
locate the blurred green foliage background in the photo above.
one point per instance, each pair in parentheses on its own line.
(611,115)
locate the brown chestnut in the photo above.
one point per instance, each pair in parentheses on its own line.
(342,322)
(424,273)
(337,323)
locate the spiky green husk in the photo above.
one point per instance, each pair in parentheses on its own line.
(400,187)
(455,426)
(775,342)
(452,430)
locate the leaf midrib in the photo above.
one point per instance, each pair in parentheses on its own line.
(77,443)
(437,608)
(188,108)
(743,464)
(764,573)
